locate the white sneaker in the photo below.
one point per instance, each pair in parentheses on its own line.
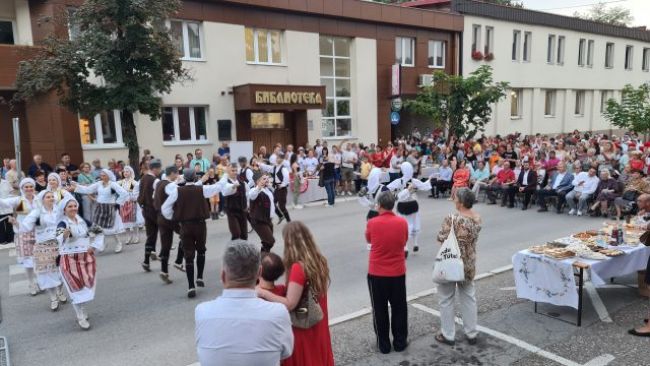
(579,213)
(83,323)
(128,240)
(54,305)
(572,212)
(33,289)
(118,247)
(300,207)
(325,203)
(60,296)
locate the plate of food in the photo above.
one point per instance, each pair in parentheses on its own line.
(612,252)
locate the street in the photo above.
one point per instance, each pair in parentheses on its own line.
(138,320)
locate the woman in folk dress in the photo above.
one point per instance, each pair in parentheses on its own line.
(43,221)
(77,263)
(105,214)
(22,205)
(129,209)
(54,185)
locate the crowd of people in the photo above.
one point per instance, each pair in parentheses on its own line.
(59,217)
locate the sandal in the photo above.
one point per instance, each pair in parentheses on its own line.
(440,338)
(634,332)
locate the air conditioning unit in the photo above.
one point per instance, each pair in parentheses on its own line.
(425,80)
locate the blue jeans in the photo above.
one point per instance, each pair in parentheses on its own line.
(330,187)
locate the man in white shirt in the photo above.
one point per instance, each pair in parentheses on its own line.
(348,159)
(280,181)
(238,328)
(310,164)
(584,185)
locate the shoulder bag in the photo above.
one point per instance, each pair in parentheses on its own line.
(308,311)
(449,266)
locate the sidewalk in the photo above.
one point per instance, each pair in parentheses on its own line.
(510,332)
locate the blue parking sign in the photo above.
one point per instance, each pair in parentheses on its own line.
(394,118)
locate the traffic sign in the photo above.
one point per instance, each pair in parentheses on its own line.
(394,118)
(396,104)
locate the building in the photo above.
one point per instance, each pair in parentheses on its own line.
(289,71)
(561,70)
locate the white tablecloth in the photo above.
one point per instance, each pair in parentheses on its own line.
(313,193)
(543,279)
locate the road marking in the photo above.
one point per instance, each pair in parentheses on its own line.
(350,316)
(598,361)
(16,269)
(597,302)
(501,269)
(18,288)
(508,288)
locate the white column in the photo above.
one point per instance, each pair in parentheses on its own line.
(23,23)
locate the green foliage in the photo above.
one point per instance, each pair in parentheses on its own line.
(121,60)
(464,105)
(615,15)
(633,113)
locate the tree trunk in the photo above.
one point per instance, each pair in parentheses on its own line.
(130,137)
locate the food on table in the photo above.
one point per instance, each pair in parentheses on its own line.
(612,252)
(583,236)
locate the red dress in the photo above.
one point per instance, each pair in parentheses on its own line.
(313,346)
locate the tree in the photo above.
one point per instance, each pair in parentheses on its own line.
(633,113)
(615,15)
(463,105)
(122,59)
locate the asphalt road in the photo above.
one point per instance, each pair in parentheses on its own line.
(136,320)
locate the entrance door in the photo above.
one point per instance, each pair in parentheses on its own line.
(268,129)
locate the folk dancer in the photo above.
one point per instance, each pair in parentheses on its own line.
(166,228)
(234,190)
(109,195)
(77,263)
(262,212)
(407,204)
(280,182)
(22,205)
(368,195)
(129,210)
(54,185)
(187,205)
(145,200)
(43,221)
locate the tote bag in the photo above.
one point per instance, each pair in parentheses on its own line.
(449,266)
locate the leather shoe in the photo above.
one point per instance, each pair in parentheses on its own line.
(543,209)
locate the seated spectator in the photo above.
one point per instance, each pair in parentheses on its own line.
(526,184)
(634,187)
(441,180)
(584,186)
(272,270)
(460,178)
(501,184)
(559,184)
(238,328)
(37,165)
(479,177)
(498,166)
(71,168)
(608,190)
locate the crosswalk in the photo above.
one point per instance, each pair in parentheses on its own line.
(18,283)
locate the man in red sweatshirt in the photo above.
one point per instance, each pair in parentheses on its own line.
(388,234)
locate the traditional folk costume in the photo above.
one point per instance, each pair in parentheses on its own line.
(280,182)
(368,195)
(129,211)
(59,192)
(166,227)
(187,206)
(236,204)
(43,221)
(407,204)
(22,206)
(262,214)
(77,263)
(105,214)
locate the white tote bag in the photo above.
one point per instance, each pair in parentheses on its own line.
(449,266)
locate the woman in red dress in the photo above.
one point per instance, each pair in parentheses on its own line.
(460,178)
(313,346)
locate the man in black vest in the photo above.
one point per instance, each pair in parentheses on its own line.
(145,200)
(245,172)
(187,206)
(234,189)
(280,182)
(166,227)
(261,211)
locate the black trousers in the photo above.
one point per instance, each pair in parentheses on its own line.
(238,224)
(528,192)
(264,230)
(439,186)
(280,198)
(151,228)
(6,230)
(193,237)
(494,189)
(385,290)
(543,194)
(166,229)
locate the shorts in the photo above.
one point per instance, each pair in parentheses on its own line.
(347,174)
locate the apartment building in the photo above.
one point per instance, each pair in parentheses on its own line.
(267,72)
(561,70)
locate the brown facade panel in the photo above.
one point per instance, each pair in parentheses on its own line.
(332,6)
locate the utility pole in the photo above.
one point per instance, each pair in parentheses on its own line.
(19,166)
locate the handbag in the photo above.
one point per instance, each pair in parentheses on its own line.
(321,180)
(308,311)
(449,266)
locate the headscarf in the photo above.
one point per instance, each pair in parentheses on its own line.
(111,176)
(130,170)
(58,179)
(60,207)
(407,170)
(374,179)
(24,182)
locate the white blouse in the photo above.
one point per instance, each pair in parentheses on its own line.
(12,203)
(104,192)
(43,222)
(78,241)
(132,187)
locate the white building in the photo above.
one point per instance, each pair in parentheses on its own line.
(561,70)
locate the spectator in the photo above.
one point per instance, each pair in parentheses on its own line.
(224,149)
(38,164)
(584,186)
(308,270)
(71,168)
(441,180)
(387,235)
(559,184)
(41,182)
(97,169)
(203,162)
(608,190)
(13,178)
(644,206)
(364,170)
(460,178)
(272,270)
(479,178)
(526,184)
(296,181)
(634,187)
(5,168)
(396,161)
(189,157)
(238,328)
(328,176)
(310,164)
(467,225)
(501,184)
(349,159)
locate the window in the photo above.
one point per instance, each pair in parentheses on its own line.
(104,129)
(629,54)
(549,103)
(74,29)
(6,32)
(550,49)
(516,44)
(437,54)
(476,38)
(516,100)
(186,36)
(404,51)
(335,75)
(184,124)
(263,46)
(489,40)
(528,38)
(560,50)
(605,95)
(580,103)
(609,55)
(646,59)
(590,53)
(581,52)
